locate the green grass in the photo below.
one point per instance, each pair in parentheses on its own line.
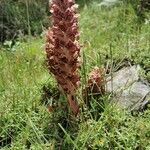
(22,75)
(26,123)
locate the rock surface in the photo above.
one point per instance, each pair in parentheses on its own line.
(129,92)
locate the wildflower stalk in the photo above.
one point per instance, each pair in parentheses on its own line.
(63,49)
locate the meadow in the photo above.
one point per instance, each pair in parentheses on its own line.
(110,36)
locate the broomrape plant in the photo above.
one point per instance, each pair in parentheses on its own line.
(63,49)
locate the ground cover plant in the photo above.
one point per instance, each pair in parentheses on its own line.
(110,37)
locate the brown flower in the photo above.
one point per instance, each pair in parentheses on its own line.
(63,49)
(95,86)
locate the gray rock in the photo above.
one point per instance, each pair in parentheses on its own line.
(128,91)
(134,97)
(122,79)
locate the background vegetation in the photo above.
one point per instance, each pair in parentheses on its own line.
(19,17)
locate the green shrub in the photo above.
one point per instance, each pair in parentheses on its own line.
(141,7)
(22,17)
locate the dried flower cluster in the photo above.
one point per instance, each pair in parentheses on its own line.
(63,49)
(96,81)
(96,84)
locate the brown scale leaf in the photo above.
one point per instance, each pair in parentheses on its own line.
(63,49)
